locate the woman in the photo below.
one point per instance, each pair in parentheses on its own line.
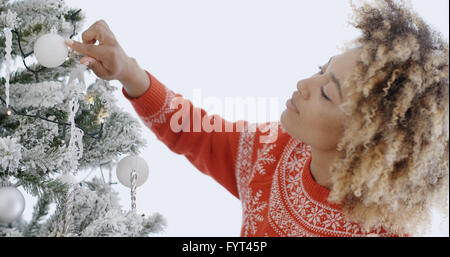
(361,150)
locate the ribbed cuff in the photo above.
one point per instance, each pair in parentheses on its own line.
(151,101)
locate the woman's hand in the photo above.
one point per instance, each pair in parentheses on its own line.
(108,60)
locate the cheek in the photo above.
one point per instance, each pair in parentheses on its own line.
(326,131)
(327,124)
(321,128)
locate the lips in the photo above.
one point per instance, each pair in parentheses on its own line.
(293,99)
(291,105)
(293,96)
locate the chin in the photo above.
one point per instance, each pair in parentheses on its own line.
(286,123)
(290,124)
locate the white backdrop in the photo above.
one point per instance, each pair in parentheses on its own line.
(246,48)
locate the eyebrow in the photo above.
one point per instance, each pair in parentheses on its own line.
(335,80)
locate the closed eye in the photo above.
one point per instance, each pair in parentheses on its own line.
(324,95)
(321,89)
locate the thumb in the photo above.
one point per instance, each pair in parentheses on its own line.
(96,66)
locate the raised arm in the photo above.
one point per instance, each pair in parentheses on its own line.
(176,122)
(170,117)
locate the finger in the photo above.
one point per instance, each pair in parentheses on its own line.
(86,60)
(104,25)
(100,32)
(96,66)
(92,35)
(91,42)
(85,49)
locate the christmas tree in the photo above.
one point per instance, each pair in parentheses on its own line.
(53,127)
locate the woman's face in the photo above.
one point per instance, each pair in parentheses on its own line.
(318,121)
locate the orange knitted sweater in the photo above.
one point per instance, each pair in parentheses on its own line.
(272,180)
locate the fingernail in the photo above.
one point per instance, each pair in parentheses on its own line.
(69,42)
(87,61)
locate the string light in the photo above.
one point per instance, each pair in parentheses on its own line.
(102,115)
(95,135)
(89,99)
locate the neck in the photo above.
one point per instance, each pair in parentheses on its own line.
(321,163)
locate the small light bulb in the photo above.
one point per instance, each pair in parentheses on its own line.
(63,142)
(8,112)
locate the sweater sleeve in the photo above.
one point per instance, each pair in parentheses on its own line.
(178,124)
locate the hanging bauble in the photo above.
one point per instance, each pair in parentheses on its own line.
(50,50)
(127,165)
(12,204)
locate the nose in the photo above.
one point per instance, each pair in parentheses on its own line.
(302,89)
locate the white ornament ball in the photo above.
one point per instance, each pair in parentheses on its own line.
(125,167)
(12,204)
(50,50)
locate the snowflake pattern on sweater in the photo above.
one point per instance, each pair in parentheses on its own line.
(279,197)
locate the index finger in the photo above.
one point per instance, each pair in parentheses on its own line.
(98,31)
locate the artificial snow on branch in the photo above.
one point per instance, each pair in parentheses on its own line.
(41,105)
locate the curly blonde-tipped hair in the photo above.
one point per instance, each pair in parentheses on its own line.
(395,167)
